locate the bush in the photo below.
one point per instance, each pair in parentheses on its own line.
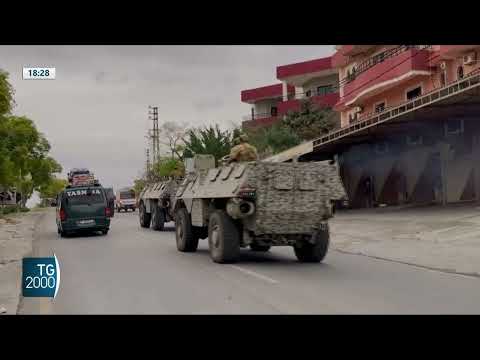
(272,140)
(13,209)
(310,121)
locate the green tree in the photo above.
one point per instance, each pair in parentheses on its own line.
(272,140)
(51,189)
(167,167)
(24,160)
(6,94)
(30,167)
(139,185)
(6,104)
(310,121)
(208,140)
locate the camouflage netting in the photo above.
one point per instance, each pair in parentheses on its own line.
(291,198)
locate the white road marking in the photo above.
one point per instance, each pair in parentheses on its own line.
(255,274)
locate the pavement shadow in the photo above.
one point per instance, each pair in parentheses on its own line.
(85,235)
(268,259)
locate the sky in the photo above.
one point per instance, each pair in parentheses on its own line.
(95,113)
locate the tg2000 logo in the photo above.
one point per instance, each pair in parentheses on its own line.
(41,277)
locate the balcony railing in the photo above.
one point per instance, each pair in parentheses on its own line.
(469,81)
(260,122)
(329,100)
(258,116)
(379,58)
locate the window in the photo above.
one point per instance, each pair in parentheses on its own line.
(443,78)
(412,94)
(127,194)
(381,147)
(324,90)
(352,117)
(273,111)
(453,127)
(379,107)
(308,93)
(460,72)
(414,139)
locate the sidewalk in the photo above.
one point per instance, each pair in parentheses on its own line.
(442,238)
(16,236)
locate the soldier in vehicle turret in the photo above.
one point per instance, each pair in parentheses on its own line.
(242,151)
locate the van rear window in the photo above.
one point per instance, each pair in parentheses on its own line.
(127,195)
(84,196)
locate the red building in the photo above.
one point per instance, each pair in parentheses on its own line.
(409,124)
(315,79)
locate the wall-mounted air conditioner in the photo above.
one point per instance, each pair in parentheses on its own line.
(469,59)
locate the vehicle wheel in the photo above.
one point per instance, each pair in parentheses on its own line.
(63,233)
(105,231)
(158,218)
(187,241)
(314,252)
(257,247)
(223,238)
(144,216)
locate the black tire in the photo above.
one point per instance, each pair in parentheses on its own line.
(158,218)
(105,231)
(257,247)
(314,252)
(144,217)
(223,238)
(187,240)
(63,234)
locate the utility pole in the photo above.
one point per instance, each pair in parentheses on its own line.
(147,164)
(154,133)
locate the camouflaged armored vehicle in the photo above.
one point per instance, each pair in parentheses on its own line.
(257,204)
(154,203)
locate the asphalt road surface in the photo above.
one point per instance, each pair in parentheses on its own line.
(139,271)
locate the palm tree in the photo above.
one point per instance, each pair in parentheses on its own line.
(208,140)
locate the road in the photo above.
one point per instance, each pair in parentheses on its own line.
(139,271)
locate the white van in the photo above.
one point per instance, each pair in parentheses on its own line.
(125,199)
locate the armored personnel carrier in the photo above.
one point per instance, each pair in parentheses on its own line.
(257,204)
(154,203)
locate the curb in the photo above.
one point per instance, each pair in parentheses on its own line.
(37,221)
(442,270)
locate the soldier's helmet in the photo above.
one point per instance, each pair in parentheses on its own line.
(243,138)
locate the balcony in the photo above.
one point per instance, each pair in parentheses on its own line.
(384,71)
(328,100)
(468,83)
(274,91)
(299,73)
(259,120)
(351,50)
